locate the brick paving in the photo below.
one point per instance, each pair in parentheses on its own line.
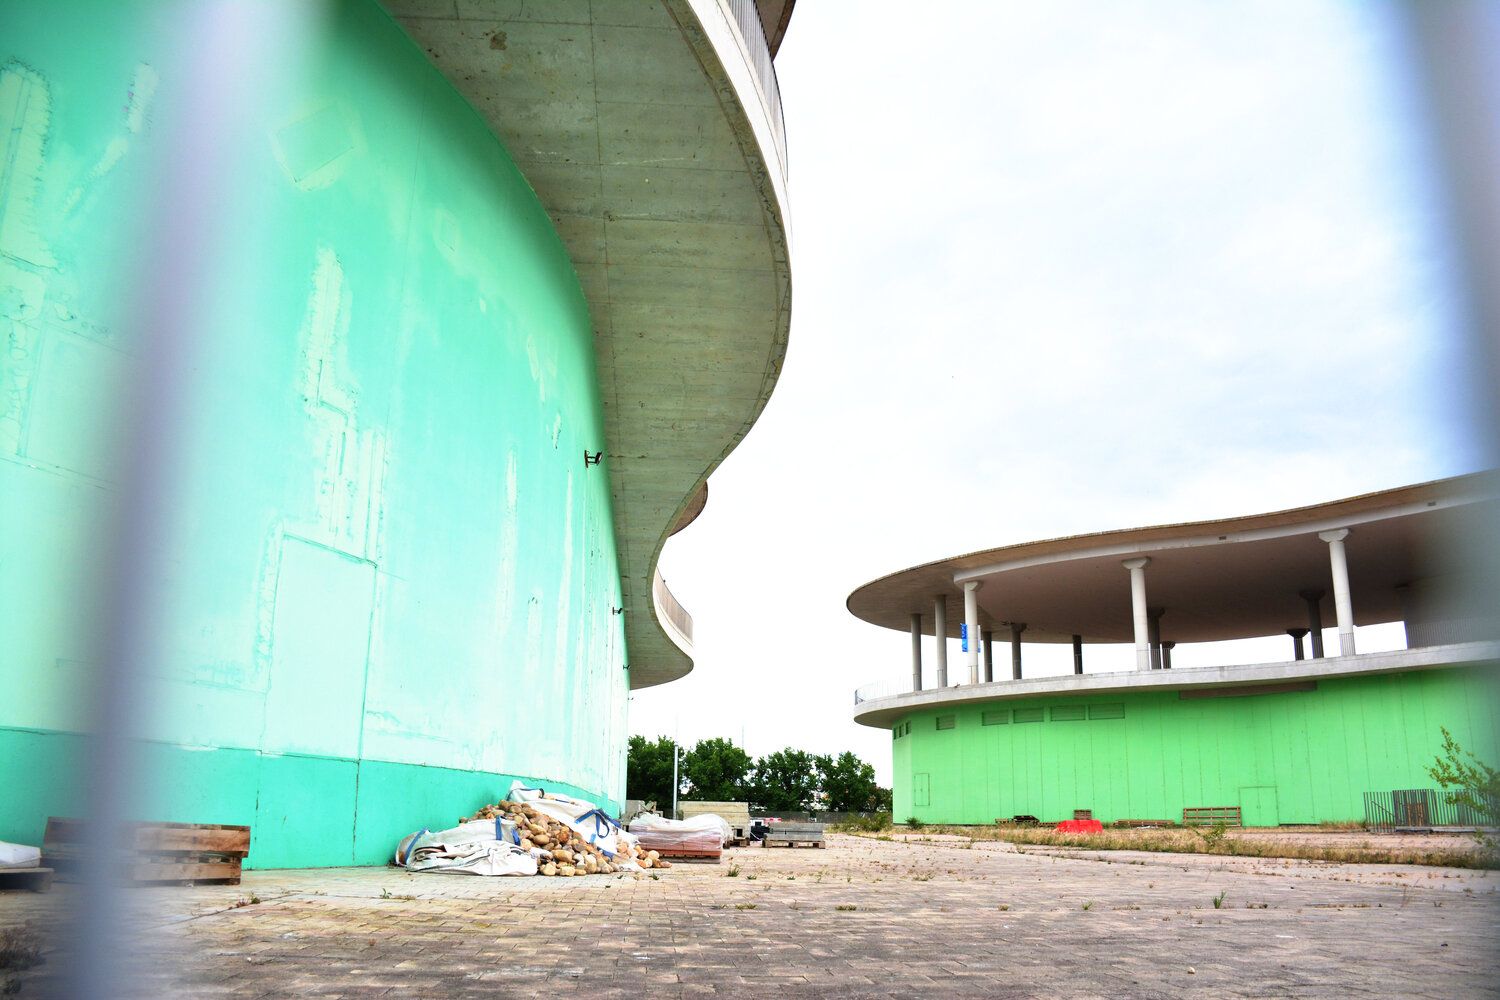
(863,918)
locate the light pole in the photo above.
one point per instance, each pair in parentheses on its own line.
(674,777)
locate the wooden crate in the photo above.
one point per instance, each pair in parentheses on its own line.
(1228,815)
(157,853)
(792,834)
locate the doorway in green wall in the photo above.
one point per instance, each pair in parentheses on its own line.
(1258,806)
(921,789)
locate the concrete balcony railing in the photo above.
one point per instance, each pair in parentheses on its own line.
(674,618)
(758,52)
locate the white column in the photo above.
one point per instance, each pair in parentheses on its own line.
(1343,608)
(940,634)
(916,651)
(1137,569)
(971,618)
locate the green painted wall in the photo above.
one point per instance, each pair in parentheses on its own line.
(1292,757)
(388,576)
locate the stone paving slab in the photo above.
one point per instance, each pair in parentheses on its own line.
(863,918)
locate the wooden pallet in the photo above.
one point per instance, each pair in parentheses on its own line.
(689,854)
(34,879)
(157,853)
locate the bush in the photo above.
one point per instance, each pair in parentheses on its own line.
(865,823)
(913,823)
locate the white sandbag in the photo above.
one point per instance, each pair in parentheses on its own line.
(19,856)
(651,822)
(591,823)
(478,847)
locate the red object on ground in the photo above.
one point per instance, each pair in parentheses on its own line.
(1080,826)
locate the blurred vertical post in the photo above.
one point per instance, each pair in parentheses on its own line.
(216,54)
(1454,48)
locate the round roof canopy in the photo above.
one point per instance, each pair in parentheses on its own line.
(1233,578)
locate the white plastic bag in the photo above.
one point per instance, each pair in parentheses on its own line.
(19,856)
(478,847)
(691,828)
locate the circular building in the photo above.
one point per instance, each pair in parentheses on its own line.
(1327,733)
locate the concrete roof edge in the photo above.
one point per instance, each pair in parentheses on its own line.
(709,27)
(1470,487)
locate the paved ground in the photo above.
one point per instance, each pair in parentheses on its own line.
(861,918)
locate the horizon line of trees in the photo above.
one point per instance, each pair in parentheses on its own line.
(715,770)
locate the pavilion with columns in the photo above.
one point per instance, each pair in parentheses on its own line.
(1387,557)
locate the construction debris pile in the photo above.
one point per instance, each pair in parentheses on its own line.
(529,832)
(559,848)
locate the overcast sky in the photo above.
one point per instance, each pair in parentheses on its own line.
(1060,268)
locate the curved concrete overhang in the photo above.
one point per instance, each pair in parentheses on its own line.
(883,712)
(1231,578)
(651,131)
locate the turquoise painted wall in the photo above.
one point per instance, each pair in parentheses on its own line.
(387,576)
(1291,757)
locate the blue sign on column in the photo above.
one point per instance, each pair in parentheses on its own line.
(963,635)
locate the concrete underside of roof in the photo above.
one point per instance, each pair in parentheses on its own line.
(1233,578)
(641,146)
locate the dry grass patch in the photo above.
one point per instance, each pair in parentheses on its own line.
(1211,840)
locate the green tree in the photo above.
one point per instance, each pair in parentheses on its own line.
(648,770)
(848,783)
(784,780)
(1469,782)
(717,771)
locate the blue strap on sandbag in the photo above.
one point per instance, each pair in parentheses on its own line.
(412,847)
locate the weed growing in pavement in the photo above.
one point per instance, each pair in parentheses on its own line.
(734,871)
(846,908)
(1219,899)
(1089,905)
(745,906)
(751,878)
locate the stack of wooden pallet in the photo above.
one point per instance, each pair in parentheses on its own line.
(157,853)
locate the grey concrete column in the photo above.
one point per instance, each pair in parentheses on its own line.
(1314,599)
(916,651)
(1404,595)
(1153,633)
(1016,628)
(940,632)
(1343,607)
(1166,654)
(989,654)
(1077,654)
(1296,634)
(971,621)
(1137,569)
